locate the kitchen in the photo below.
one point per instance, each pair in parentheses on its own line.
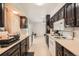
(22,23)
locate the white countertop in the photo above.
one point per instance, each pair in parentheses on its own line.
(71,45)
(22,36)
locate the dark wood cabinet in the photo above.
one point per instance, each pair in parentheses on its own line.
(27,43)
(56,18)
(47,23)
(12,51)
(77,14)
(1,15)
(69,14)
(23,22)
(24,46)
(62,51)
(16,53)
(59,50)
(61,13)
(68,53)
(19,49)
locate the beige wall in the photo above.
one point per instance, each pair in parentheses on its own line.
(12,21)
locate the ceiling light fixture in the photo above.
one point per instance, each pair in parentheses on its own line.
(39,4)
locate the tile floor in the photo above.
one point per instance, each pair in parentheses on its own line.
(39,47)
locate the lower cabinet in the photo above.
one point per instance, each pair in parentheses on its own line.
(68,53)
(12,51)
(16,53)
(19,49)
(27,43)
(24,46)
(62,51)
(59,50)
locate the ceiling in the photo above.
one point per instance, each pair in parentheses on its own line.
(35,12)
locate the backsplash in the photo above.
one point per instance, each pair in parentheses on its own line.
(68,33)
(76,31)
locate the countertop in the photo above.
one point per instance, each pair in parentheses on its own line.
(71,45)
(23,35)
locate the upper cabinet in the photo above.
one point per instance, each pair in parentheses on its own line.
(61,13)
(69,14)
(77,14)
(1,15)
(23,22)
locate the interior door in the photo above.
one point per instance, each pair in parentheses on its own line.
(39,28)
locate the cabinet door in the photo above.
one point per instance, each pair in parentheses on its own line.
(23,43)
(68,53)
(69,9)
(61,13)
(16,53)
(27,44)
(77,14)
(15,50)
(59,50)
(56,17)
(51,23)
(1,15)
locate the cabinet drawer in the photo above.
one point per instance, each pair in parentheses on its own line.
(23,42)
(58,46)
